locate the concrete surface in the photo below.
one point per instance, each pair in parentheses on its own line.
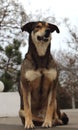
(14,123)
(10,105)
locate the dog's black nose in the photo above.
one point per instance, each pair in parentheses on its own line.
(47,32)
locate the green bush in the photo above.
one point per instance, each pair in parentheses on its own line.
(7,80)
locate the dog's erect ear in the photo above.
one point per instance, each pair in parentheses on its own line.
(28,27)
(54,28)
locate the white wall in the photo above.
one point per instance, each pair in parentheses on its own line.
(9,104)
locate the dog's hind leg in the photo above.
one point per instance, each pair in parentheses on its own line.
(34,118)
(56,116)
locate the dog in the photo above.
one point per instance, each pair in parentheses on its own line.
(38,81)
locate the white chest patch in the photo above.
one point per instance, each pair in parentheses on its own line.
(31,75)
(51,74)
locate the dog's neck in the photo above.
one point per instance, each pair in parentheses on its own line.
(40,61)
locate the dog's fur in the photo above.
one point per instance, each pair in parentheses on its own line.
(39,75)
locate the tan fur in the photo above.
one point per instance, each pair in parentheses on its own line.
(31,75)
(35,118)
(51,74)
(38,77)
(50,110)
(27,108)
(41,46)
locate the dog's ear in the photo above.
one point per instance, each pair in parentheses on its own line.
(28,27)
(54,28)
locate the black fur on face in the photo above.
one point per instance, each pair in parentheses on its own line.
(36,25)
(40,35)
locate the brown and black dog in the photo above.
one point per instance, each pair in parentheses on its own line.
(38,80)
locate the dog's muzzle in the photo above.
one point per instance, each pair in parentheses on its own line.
(42,38)
(45,37)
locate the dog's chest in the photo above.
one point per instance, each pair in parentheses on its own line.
(39,97)
(41,48)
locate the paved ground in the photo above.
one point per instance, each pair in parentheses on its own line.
(14,123)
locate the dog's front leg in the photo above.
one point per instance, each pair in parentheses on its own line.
(50,110)
(50,75)
(27,107)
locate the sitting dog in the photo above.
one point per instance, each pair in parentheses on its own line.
(39,76)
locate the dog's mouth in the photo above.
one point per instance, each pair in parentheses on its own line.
(42,38)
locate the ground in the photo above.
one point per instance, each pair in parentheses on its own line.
(14,123)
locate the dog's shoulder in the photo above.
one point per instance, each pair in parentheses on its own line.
(27,62)
(28,56)
(52,62)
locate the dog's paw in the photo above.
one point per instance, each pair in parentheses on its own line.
(47,123)
(57,122)
(29,124)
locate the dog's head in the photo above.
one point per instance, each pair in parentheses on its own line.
(40,33)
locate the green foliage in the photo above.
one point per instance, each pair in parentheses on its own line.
(1,49)
(13,53)
(10,64)
(7,80)
(8,51)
